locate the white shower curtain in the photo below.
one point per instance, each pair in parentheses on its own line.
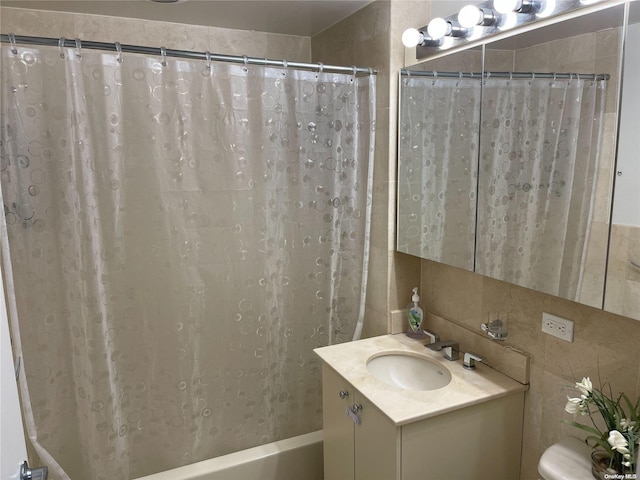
(539,161)
(177,239)
(437,168)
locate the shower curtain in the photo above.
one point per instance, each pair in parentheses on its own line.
(177,238)
(439,118)
(539,149)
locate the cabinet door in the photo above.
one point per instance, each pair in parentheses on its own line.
(338,427)
(377,444)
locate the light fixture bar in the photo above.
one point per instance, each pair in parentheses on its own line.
(485,20)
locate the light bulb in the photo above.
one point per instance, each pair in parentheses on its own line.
(438,28)
(470,16)
(506,6)
(412,37)
(548,7)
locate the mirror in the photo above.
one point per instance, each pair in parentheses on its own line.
(439,118)
(622,293)
(546,157)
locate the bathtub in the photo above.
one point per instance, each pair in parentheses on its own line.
(294,458)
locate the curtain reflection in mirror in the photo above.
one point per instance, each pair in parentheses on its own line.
(539,160)
(439,119)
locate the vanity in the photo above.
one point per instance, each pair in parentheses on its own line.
(470,428)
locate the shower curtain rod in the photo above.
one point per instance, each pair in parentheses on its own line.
(509,75)
(168,52)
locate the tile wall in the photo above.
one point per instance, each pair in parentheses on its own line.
(134,31)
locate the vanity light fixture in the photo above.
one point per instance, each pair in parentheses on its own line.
(494,16)
(439,28)
(471,16)
(518,6)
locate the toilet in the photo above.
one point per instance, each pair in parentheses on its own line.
(568,459)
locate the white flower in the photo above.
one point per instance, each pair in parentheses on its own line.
(585,386)
(626,464)
(576,405)
(618,441)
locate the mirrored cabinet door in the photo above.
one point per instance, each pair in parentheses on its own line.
(437,160)
(547,153)
(622,294)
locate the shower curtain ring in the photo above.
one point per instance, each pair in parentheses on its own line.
(354,70)
(435,77)
(207,55)
(78,48)
(578,76)
(320,67)
(285,65)
(61,42)
(12,41)
(119,50)
(163,54)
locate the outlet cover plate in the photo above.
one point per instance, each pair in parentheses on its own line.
(557,326)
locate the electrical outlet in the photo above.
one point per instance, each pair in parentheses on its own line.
(557,326)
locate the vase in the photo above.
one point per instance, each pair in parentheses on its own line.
(600,461)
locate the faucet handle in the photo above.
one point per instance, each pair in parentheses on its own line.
(433,336)
(470,359)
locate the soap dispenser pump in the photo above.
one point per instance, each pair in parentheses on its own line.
(415,316)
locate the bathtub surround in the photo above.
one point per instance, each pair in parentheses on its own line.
(294,458)
(164,221)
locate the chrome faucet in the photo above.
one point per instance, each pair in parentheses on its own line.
(470,359)
(433,336)
(451,349)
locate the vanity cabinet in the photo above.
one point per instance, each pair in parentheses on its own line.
(367,451)
(481,441)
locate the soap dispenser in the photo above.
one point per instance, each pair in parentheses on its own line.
(415,316)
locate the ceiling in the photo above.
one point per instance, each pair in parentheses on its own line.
(292,17)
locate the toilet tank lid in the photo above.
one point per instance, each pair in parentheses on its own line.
(568,459)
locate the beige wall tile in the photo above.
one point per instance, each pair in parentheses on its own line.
(155,34)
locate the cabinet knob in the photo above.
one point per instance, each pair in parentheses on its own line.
(356,408)
(343,394)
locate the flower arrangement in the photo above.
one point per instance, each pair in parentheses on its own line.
(621,435)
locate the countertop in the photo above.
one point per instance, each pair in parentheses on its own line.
(467,387)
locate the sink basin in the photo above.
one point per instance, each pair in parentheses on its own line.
(408,371)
